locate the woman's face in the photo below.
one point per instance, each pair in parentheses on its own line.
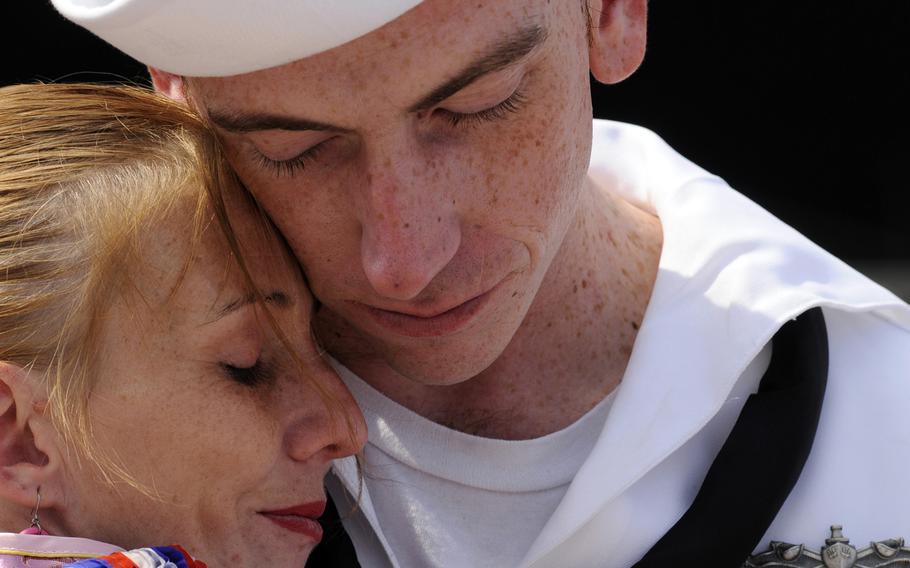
(200,402)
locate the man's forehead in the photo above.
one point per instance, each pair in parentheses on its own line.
(412,55)
(503,55)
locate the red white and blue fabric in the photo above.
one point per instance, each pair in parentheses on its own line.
(157,557)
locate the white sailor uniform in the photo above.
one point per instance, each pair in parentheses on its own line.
(730,276)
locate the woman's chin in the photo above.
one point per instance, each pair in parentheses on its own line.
(268,545)
(248,559)
(272,559)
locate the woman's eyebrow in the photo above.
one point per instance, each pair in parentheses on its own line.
(276,297)
(503,54)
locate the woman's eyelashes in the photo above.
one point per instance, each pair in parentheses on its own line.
(258,373)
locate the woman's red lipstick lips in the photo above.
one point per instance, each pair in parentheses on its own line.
(302,519)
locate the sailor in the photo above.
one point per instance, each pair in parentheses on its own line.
(573,346)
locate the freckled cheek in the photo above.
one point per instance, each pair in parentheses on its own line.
(190,426)
(327,247)
(312,212)
(532,177)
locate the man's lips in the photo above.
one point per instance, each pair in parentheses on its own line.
(432,322)
(302,519)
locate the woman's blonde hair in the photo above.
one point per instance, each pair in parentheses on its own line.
(85,170)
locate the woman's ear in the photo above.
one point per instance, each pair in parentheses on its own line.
(168,84)
(30,456)
(618,34)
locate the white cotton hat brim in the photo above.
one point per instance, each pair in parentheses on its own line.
(212,38)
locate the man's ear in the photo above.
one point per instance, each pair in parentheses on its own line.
(170,85)
(618,34)
(30,456)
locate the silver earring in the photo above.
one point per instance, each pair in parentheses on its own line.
(36,523)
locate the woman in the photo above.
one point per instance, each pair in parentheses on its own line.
(158,379)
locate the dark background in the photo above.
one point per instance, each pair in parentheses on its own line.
(800,105)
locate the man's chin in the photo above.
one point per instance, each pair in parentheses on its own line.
(437,370)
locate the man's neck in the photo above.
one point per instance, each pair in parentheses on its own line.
(575,342)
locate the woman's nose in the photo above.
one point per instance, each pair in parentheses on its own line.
(330,425)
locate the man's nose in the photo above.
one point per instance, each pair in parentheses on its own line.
(329,425)
(410,224)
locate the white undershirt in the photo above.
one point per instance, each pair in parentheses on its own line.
(464,500)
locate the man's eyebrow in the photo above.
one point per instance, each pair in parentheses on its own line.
(277,297)
(241,122)
(503,54)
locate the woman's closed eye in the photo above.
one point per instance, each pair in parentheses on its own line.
(251,376)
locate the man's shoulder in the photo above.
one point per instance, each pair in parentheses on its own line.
(614,142)
(617,131)
(635,162)
(856,473)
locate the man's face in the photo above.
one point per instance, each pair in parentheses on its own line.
(425,174)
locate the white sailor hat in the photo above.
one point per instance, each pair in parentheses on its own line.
(209,38)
